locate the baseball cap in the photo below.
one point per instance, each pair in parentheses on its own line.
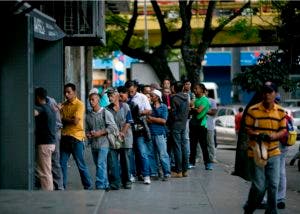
(94,91)
(155,86)
(269,87)
(111,90)
(157,93)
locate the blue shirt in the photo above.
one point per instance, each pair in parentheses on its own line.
(160,112)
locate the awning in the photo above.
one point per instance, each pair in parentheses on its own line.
(45,27)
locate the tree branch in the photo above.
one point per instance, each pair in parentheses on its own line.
(135,53)
(227,21)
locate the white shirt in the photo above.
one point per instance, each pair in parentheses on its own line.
(142,101)
(210,119)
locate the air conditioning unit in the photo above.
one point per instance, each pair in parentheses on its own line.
(84,22)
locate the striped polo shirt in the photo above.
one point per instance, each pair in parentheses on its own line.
(262,120)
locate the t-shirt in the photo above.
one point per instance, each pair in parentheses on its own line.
(210,119)
(69,110)
(45,125)
(202,101)
(160,112)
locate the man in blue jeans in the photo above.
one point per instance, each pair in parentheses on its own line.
(178,119)
(157,121)
(72,140)
(265,125)
(141,134)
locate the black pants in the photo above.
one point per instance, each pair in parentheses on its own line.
(198,134)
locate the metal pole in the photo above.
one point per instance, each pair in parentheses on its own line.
(146,35)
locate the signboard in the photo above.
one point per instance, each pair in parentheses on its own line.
(45,27)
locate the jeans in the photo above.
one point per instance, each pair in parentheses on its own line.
(282,180)
(100,160)
(211,144)
(143,153)
(77,150)
(160,145)
(187,137)
(114,165)
(153,158)
(198,134)
(180,150)
(56,168)
(263,178)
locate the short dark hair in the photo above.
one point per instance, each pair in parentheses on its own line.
(177,86)
(241,109)
(201,85)
(130,83)
(122,89)
(70,85)
(40,92)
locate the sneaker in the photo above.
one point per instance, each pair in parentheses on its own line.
(209,166)
(127,186)
(185,174)
(292,162)
(147,180)
(176,175)
(132,178)
(281,205)
(166,178)
(191,166)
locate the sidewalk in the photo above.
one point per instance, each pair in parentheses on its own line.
(202,192)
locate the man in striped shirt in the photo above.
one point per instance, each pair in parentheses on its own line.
(265,125)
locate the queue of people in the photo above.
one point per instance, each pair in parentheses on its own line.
(151,132)
(143,133)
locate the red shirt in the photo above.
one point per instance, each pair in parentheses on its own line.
(237,120)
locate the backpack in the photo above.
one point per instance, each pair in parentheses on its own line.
(291,136)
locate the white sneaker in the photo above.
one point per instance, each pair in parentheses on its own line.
(132,178)
(147,180)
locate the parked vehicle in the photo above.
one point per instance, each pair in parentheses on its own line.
(212,89)
(228,110)
(225,130)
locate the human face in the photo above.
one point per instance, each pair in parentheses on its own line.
(187,86)
(113,97)
(123,97)
(69,94)
(132,91)
(198,91)
(146,90)
(166,84)
(166,92)
(269,97)
(154,98)
(94,100)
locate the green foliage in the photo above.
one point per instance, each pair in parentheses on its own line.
(116,26)
(273,67)
(244,27)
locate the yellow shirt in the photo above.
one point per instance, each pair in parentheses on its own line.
(69,110)
(266,121)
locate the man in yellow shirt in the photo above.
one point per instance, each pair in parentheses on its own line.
(72,140)
(265,125)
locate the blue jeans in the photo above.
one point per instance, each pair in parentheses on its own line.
(282,180)
(100,160)
(114,165)
(76,148)
(153,158)
(160,145)
(143,153)
(180,150)
(264,178)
